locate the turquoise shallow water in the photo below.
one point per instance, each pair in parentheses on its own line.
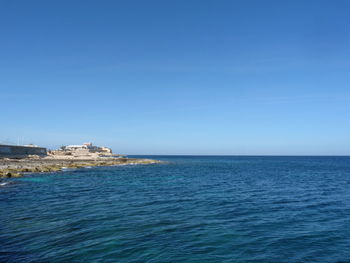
(192,209)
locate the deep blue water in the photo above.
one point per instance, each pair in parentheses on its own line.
(192,209)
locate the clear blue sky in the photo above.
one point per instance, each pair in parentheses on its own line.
(177,77)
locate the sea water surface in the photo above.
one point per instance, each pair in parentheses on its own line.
(191,209)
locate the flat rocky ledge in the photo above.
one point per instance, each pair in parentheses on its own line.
(17,167)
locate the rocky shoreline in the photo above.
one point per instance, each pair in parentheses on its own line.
(17,167)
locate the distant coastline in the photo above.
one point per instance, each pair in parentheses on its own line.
(18,160)
(18,167)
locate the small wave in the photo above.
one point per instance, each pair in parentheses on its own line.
(3,184)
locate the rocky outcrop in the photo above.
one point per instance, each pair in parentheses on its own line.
(16,168)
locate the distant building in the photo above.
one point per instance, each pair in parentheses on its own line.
(87,147)
(75,147)
(14,151)
(31,145)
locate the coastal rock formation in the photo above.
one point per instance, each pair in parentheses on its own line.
(16,168)
(70,156)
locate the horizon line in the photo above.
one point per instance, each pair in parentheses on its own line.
(241,155)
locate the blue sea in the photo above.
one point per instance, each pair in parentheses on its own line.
(189,209)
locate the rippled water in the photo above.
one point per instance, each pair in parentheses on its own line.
(192,209)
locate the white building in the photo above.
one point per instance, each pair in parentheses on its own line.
(75,147)
(87,147)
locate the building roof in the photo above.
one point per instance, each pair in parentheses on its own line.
(76,146)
